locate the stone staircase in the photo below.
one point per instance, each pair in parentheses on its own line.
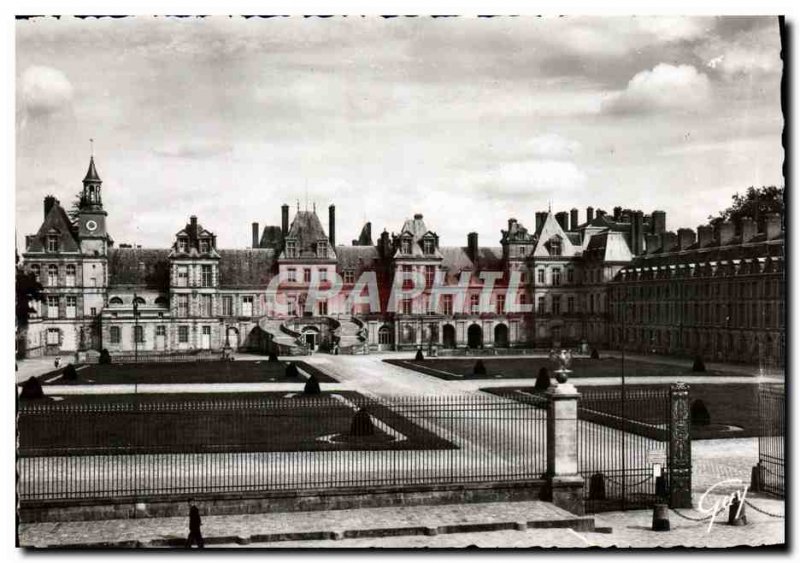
(282,337)
(352,336)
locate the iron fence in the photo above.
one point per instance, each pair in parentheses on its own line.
(147,448)
(621,440)
(156,357)
(772,411)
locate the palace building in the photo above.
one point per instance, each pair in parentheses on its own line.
(296,290)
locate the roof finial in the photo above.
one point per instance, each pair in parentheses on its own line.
(298,205)
(91,147)
(549,206)
(315,206)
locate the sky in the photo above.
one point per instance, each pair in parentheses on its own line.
(469,121)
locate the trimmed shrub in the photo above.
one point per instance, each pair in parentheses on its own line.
(291,370)
(698,365)
(542,380)
(32,389)
(699,414)
(105,357)
(479,368)
(362,424)
(595,354)
(419,357)
(312,386)
(69,373)
(273,358)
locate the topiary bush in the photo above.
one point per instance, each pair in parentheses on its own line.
(32,389)
(419,357)
(69,373)
(479,368)
(291,370)
(595,354)
(273,358)
(699,414)
(312,386)
(698,365)
(362,424)
(542,380)
(105,357)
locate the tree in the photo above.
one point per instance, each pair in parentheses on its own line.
(75,209)
(27,289)
(754,203)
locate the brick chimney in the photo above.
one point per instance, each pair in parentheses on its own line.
(617,213)
(541,217)
(193,227)
(705,235)
(600,213)
(472,246)
(49,202)
(685,238)
(332,224)
(255,235)
(748,228)
(284,220)
(652,243)
(725,232)
(589,214)
(669,241)
(659,222)
(561,219)
(772,225)
(573,219)
(637,234)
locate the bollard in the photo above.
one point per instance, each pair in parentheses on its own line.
(755,478)
(661,487)
(736,512)
(660,518)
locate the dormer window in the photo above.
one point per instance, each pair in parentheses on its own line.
(291,249)
(555,246)
(405,246)
(322,248)
(428,246)
(52,243)
(204,245)
(183,245)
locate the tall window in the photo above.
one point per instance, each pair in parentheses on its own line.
(384,335)
(570,304)
(183,276)
(207,305)
(427,246)
(323,307)
(114,333)
(306,275)
(183,245)
(323,274)
(540,305)
(475,303)
(430,276)
(183,305)
(555,246)
(53,336)
(322,248)
(570,275)
(408,283)
(556,304)
(161,330)
(556,276)
(204,245)
(70,275)
(247,306)
(406,306)
(227,305)
(447,304)
(52,243)
(138,333)
(52,275)
(52,306)
(291,275)
(72,306)
(405,246)
(183,334)
(206,275)
(291,249)
(540,276)
(501,304)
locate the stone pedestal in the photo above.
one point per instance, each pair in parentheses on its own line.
(565,484)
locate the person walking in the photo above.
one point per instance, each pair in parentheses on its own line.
(194,527)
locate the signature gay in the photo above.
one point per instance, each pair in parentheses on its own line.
(723,503)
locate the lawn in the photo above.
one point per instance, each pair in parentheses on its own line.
(733,407)
(183,423)
(186,372)
(457,369)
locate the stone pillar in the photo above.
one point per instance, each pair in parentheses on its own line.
(564,483)
(680,448)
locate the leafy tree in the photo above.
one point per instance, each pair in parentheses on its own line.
(754,203)
(27,289)
(75,209)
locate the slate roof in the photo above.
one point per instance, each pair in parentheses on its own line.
(148,267)
(357,258)
(91,173)
(55,223)
(714,253)
(307,229)
(271,237)
(250,267)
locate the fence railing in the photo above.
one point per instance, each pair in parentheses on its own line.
(147,448)
(151,357)
(772,416)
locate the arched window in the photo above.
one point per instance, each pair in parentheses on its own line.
(161,301)
(139,301)
(115,301)
(71,275)
(52,275)
(384,335)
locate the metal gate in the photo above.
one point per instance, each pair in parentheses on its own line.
(623,447)
(771,407)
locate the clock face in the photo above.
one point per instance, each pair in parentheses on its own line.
(91,225)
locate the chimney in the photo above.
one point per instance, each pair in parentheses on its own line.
(637,233)
(772,225)
(685,238)
(193,226)
(589,214)
(418,216)
(659,222)
(49,202)
(705,234)
(284,220)
(669,241)
(561,218)
(255,235)
(617,213)
(573,219)
(368,229)
(385,246)
(600,213)
(511,223)
(725,232)
(748,228)
(332,224)
(541,217)
(652,243)
(472,246)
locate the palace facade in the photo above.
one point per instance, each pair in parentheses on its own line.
(296,290)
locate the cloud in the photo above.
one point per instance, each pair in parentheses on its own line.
(193,149)
(553,146)
(44,90)
(528,178)
(747,53)
(664,88)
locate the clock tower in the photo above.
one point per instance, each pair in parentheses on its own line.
(92,233)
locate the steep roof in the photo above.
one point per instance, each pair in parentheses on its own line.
(271,237)
(91,173)
(608,246)
(307,230)
(148,267)
(365,238)
(57,223)
(357,258)
(250,267)
(416,227)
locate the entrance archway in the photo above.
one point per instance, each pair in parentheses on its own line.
(501,336)
(232,337)
(449,336)
(475,337)
(311,337)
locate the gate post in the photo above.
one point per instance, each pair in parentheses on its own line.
(565,486)
(680,448)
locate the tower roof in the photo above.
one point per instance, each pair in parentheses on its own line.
(91,174)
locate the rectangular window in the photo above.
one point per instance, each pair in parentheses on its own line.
(291,249)
(408,283)
(406,306)
(52,243)
(405,246)
(183,305)
(475,303)
(227,305)
(53,337)
(540,305)
(291,275)
(138,333)
(556,304)
(322,248)
(427,246)
(204,245)
(323,308)
(500,304)
(72,306)
(349,276)
(570,304)
(306,275)
(183,245)
(183,334)
(161,330)
(556,276)
(323,275)
(540,275)
(207,305)
(115,335)
(183,276)
(52,275)
(93,311)
(430,276)
(70,280)
(247,306)
(570,276)
(447,304)
(207,277)
(52,307)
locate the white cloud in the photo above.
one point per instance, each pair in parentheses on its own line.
(665,87)
(532,177)
(553,146)
(198,148)
(44,90)
(745,53)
